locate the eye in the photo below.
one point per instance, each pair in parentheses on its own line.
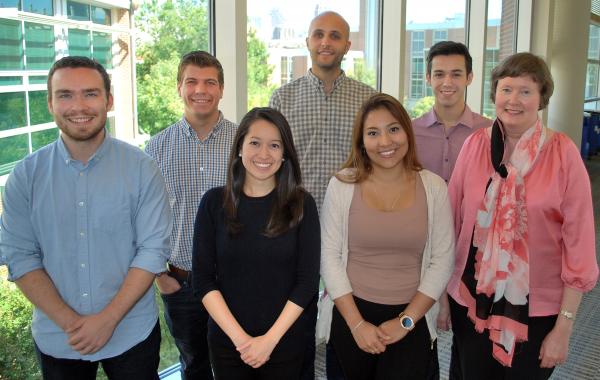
(91,94)
(335,36)
(371,133)
(437,75)
(525,92)
(505,90)
(275,146)
(64,96)
(253,143)
(394,129)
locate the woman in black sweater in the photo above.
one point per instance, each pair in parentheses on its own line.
(256,256)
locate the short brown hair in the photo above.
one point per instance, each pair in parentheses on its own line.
(525,64)
(358,159)
(201,59)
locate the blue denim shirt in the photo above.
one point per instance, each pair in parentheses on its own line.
(86,225)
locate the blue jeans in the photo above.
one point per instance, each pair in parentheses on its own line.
(122,367)
(186,317)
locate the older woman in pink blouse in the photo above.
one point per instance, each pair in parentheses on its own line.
(525,250)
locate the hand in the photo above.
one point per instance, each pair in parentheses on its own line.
(257,351)
(90,333)
(167,285)
(394,330)
(443,319)
(370,338)
(555,346)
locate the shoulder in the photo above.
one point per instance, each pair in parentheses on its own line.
(229,125)
(359,86)
(561,146)
(163,137)
(213,195)
(423,120)
(432,180)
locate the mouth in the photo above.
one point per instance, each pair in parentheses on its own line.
(513,111)
(80,119)
(387,153)
(200,101)
(447,92)
(262,165)
(326,52)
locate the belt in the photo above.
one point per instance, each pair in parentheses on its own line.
(179,274)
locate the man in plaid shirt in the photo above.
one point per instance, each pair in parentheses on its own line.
(192,155)
(320,108)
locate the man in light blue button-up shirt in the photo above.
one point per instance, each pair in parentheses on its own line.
(85,228)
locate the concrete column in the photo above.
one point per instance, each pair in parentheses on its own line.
(231,50)
(393,40)
(568,64)
(476,38)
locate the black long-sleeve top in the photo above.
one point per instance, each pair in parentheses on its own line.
(257,275)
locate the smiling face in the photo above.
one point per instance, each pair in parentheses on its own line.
(385,140)
(79,103)
(517,103)
(449,79)
(262,153)
(327,41)
(201,92)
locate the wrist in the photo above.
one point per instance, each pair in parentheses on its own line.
(406,321)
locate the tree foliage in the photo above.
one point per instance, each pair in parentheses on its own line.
(422,106)
(259,72)
(362,73)
(167,30)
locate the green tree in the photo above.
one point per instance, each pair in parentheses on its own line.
(168,30)
(422,106)
(362,73)
(259,72)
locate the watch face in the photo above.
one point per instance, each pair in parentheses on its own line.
(407,322)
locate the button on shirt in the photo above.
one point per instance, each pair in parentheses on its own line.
(321,125)
(86,226)
(437,148)
(190,167)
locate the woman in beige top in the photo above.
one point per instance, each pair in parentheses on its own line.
(386,252)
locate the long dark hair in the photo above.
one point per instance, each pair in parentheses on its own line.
(288,206)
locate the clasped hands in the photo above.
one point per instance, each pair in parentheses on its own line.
(88,334)
(256,351)
(373,339)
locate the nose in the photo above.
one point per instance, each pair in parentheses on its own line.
(384,139)
(447,80)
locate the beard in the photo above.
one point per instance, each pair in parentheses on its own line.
(82,134)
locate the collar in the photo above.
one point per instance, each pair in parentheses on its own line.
(189,131)
(466,119)
(100,152)
(315,81)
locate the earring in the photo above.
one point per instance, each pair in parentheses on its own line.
(240,154)
(283,159)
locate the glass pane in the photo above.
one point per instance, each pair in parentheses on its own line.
(12,110)
(102,49)
(80,43)
(42,138)
(39,46)
(9,3)
(500,43)
(591,83)
(43,7)
(38,79)
(427,22)
(13,149)
(10,81)
(11,45)
(100,15)
(594,43)
(38,107)
(78,11)
(277,51)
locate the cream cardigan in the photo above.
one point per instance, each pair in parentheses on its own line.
(438,254)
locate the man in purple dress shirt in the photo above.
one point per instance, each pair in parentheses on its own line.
(441,132)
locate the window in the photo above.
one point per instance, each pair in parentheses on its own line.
(101,48)
(427,22)
(500,43)
(80,43)
(11,45)
(38,108)
(12,110)
(277,31)
(39,46)
(43,7)
(85,12)
(593,66)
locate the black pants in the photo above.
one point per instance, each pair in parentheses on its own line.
(139,362)
(472,359)
(227,365)
(187,319)
(407,359)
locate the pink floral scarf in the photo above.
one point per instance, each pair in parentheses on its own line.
(502,252)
